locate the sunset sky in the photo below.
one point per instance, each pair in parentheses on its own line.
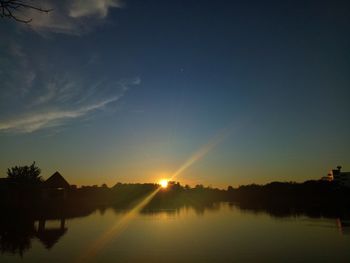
(108,91)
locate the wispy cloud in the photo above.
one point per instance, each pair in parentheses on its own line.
(22,75)
(46,116)
(70,16)
(52,95)
(81,8)
(48,111)
(51,92)
(41,88)
(53,118)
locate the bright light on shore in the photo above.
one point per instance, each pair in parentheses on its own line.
(163,183)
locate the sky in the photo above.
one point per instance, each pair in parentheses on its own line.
(226,92)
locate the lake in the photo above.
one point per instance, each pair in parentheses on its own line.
(218,233)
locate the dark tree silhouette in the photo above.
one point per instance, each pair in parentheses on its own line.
(11,8)
(25,174)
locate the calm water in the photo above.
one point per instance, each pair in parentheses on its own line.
(222,233)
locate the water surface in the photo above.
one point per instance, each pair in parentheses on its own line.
(219,233)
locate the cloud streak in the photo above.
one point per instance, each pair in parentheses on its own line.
(37,121)
(74,17)
(37,94)
(99,8)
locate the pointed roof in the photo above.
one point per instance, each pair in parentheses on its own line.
(49,237)
(56,181)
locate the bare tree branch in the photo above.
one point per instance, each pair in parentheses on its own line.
(10,9)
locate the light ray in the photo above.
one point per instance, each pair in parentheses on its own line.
(119,226)
(115,230)
(203,151)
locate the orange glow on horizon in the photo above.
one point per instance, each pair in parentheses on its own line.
(121,225)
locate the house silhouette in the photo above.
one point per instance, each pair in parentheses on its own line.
(55,187)
(56,181)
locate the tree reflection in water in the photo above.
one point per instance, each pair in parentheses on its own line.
(20,226)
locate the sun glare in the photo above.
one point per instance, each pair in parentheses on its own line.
(163,183)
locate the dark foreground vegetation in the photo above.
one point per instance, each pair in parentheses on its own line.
(23,188)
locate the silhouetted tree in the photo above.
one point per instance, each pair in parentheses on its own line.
(11,8)
(25,174)
(199,187)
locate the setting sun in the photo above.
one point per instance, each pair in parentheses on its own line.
(163,183)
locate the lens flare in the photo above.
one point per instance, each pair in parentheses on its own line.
(203,151)
(115,230)
(119,226)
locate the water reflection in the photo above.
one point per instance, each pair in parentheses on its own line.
(17,233)
(343,226)
(20,227)
(50,236)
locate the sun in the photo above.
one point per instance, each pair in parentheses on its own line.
(163,183)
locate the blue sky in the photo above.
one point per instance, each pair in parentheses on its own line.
(108,90)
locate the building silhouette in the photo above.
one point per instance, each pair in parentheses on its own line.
(55,187)
(342,178)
